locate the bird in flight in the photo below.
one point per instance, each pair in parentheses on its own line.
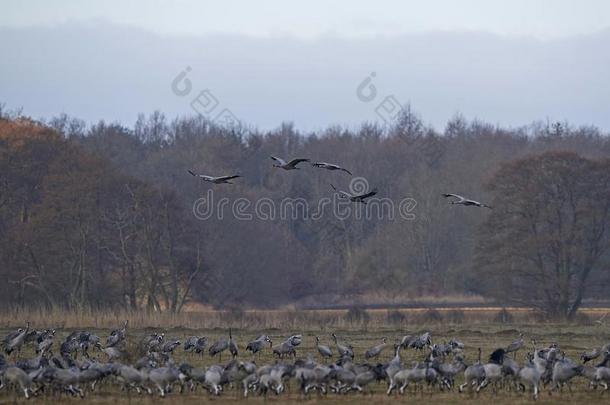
(355,197)
(464,201)
(282,164)
(330,166)
(215,180)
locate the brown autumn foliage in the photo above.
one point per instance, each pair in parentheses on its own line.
(76,233)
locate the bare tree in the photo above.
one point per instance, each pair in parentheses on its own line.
(548,232)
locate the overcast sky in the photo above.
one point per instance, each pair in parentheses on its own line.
(306,19)
(507,62)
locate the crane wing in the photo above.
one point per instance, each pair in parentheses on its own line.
(459,197)
(223,178)
(295,162)
(202,176)
(367,195)
(279,160)
(341,192)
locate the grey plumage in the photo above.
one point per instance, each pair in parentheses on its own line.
(195,344)
(291,165)
(16,376)
(215,180)
(324,351)
(406,341)
(375,351)
(421,341)
(218,347)
(117,336)
(591,355)
(360,198)
(345,351)
(285,349)
(233,348)
(223,344)
(170,346)
(330,166)
(516,345)
(458,199)
(16,340)
(258,344)
(474,374)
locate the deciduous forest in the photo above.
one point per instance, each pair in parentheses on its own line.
(101,216)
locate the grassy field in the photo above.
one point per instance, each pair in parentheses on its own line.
(572,338)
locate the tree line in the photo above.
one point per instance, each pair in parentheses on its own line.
(101,216)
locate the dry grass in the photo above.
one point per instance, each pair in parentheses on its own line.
(374,298)
(354,319)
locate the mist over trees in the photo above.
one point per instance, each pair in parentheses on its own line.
(102,215)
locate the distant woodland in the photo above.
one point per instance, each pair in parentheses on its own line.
(101,216)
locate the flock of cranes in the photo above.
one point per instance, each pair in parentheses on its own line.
(358,198)
(81,365)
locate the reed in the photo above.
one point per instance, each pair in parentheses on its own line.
(353,319)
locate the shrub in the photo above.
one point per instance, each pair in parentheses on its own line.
(503,316)
(235,316)
(357,315)
(396,317)
(455,316)
(431,316)
(580,318)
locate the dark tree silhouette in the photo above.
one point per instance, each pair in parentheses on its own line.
(549,231)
